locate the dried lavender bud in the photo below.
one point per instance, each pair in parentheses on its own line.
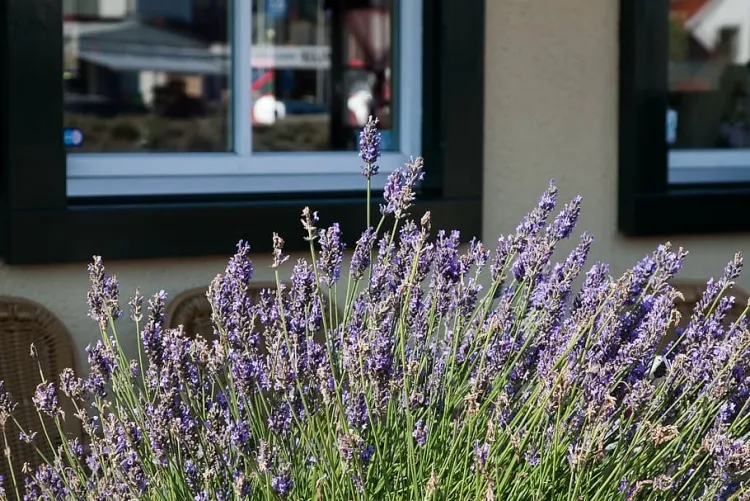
(136,306)
(426,221)
(279,257)
(309,220)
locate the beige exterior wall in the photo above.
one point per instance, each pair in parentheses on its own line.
(551,99)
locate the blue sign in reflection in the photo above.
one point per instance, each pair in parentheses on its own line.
(72,137)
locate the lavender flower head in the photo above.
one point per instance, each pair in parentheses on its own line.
(45,399)
(331,254)
(420,433)
(282,483)
(362,255)
(7,405)
(103,296)
(399,192)
(369,147)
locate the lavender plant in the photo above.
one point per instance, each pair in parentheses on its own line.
(425,385)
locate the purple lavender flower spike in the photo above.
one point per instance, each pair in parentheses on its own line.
(240,267)
(369,147)
(420,433)
(331,254)
(102,359)
(27,437)
(481,454)
(7,405)
(362,255)
(103,296)
(151,337)
(45,399)
(535,220)
(565,222)
(282,483)
(399,188)
(532,457)
(734,268)
(357,413)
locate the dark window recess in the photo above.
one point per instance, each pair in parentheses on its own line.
(40,225)
(648,203)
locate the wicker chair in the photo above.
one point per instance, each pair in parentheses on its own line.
(23,323)
(192,310)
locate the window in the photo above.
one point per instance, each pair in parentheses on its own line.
(708,117)
(235,96)
(684,159)
(190,124)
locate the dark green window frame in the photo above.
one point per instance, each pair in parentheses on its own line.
(41,225)
(648,205)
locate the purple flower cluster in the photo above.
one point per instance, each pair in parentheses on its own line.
(449,371)
(399,192)
(369,147)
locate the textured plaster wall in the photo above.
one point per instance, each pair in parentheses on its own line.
(551,112)
(551,99)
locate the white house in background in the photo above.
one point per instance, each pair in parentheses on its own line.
(717,17)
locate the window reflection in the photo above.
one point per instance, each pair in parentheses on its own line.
(146,75)
(709,74)
(319,69)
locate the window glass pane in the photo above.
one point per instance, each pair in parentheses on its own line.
(319,69)
(709,75)
(146,76)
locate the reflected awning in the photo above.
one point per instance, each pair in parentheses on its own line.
(135,46)
(123,61)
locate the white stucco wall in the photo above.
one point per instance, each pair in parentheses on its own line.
(551,99)
(551,112)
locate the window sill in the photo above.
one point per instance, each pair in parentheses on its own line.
(194,229)
(699,210)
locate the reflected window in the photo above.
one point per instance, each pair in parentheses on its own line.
(320,68)
(146,76)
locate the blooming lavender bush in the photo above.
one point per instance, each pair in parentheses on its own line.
(425,385)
